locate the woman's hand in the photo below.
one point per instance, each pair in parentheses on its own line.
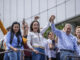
(15,49)
(49,58)
(52,18)
(34,50)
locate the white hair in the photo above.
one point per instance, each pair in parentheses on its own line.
(68,24)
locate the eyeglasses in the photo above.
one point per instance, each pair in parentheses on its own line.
(50,34)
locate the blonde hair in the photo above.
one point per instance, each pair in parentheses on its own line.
(77,27)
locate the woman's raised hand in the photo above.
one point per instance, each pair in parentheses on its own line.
(52,18)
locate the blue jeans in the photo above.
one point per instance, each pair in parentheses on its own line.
(6,57)
(14,55)
(38,56)
(58,56)
(64,54)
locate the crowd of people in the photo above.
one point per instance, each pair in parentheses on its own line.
(30,43)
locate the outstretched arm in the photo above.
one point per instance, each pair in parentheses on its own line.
(55,31)
(45,28)
(3,28)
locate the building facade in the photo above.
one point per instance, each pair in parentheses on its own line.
(16,10)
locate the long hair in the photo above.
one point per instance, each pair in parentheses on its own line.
(17,34)
(31,29)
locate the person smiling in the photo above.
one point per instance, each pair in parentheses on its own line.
(36,40)
(14,41)
(66,41)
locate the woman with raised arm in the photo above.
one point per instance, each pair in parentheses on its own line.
(36,40)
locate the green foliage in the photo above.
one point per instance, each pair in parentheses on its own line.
(46,33)
(60,26)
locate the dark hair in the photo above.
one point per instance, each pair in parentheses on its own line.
(8,28)
(48,33)
(17,34)
(31,29)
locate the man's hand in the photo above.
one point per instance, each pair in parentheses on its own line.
(52,18)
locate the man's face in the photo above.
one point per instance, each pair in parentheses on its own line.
(68,29)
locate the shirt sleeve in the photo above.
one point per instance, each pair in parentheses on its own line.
(49,51)
(8,39)
(50,41)
(22,47)
(49,54)
(76,46)
(5,38)
(55,31)
(29,40)
(45,28)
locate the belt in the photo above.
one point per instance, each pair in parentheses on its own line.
(39,47)
(67,50)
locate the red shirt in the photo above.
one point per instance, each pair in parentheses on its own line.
(26,52)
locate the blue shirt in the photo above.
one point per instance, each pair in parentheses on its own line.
(14,41)
(65,41)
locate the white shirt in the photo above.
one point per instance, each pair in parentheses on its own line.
(36,39)
(2,41)
(48,52)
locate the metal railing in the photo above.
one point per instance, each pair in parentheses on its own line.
(22,50)
(75,57)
